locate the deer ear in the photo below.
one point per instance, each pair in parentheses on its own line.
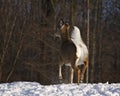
(66,24)
(60,24)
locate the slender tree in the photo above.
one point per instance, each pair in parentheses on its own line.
(88,35)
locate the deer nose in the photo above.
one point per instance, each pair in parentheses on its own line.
(56,35)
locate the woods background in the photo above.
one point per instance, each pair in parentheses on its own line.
(29,49)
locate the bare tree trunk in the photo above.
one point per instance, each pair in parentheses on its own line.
(88,34)
(18,52)
(72,15)
(94,44)
(99,39)
(6,44)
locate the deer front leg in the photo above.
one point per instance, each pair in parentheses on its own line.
(60,71)
(71,75)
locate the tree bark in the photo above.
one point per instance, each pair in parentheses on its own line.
(88,34)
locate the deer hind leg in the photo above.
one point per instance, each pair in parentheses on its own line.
(77,69)
(60,71)
(78,76)
(84,69)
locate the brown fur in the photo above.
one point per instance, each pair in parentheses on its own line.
(68,54)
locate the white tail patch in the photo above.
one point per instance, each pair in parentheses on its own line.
(82,51)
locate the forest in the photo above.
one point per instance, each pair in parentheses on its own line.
(29,49)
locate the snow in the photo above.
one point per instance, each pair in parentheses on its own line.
(36,89)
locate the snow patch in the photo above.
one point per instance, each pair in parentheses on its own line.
(36,89)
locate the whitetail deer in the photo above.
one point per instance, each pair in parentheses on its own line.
(73,51)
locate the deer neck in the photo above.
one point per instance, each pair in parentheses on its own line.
(66,36)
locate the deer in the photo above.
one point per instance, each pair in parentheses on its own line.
(73,51)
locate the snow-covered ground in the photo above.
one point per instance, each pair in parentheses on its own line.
(35,89)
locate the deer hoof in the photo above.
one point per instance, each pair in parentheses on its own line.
(61,81)
(81,81)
